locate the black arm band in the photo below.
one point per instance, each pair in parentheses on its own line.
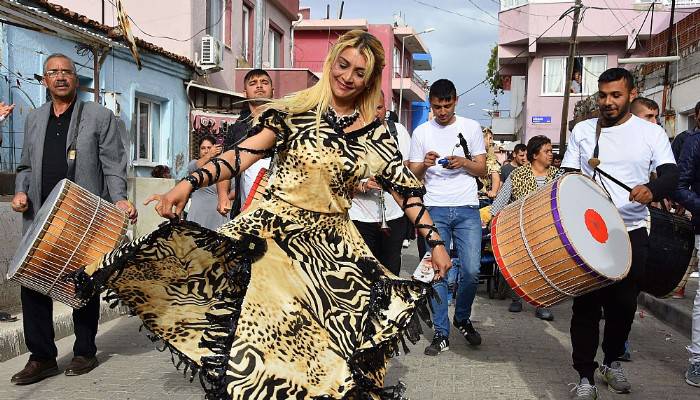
(193,181)
(666,181)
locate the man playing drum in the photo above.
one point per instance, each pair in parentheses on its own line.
(628,149)
(62,136)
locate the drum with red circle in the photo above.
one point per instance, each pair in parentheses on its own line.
(560,241)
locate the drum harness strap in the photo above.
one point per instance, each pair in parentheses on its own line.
(594,162)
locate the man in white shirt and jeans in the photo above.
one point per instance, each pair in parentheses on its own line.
(438,157)
(629,148)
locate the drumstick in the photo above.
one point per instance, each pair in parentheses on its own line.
(612,178)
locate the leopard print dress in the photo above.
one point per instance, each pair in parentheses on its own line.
(285,301)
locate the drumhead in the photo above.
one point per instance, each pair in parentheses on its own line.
(593,226)
(35,228)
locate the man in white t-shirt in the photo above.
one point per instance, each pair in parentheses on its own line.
(366,211)
(629,148)
(448,153)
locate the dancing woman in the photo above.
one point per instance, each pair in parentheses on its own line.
(286,300)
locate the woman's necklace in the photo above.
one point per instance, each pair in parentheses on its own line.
(341,122)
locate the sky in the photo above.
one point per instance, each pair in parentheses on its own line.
(460,46)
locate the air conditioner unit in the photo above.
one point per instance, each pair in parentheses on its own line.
(212,54)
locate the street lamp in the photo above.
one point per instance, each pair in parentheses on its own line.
(403,45)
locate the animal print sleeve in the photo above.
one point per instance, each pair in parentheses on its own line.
(275,121)
(393,174)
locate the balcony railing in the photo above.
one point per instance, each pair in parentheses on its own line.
(420,82)
(507,4)
(679,3)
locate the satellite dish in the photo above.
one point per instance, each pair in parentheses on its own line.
(123,19)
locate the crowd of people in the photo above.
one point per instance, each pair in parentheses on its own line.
(317,259)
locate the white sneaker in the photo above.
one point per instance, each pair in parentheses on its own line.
(405,243)
(584,390)
(695,274)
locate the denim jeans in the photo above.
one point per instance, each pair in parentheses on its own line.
(463,226)
(694,347)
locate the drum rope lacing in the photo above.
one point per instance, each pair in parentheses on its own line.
(63,270)
(535,262)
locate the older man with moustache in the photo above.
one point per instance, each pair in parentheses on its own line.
(62,138)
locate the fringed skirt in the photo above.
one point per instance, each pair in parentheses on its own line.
(275,305)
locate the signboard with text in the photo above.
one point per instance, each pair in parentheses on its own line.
(541,119)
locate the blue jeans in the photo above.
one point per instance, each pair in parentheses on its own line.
(463,225)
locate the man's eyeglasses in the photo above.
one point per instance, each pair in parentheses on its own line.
(55,72)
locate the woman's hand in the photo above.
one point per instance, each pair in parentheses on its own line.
(441,261)
(176,198)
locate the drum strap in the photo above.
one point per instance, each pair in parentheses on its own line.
(70,173)
(594,162)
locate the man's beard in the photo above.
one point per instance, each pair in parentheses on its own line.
(614,120)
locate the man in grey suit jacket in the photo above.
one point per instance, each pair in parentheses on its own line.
(99,161)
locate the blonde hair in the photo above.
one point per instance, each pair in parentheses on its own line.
(319,96)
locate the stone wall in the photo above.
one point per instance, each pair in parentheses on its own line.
(11,228)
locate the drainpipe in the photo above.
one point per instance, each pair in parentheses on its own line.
(259,33)
(291,39)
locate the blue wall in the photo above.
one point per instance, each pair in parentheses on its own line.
(420,111)
(161,80)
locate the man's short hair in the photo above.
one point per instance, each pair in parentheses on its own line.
(443,89)
(615,74)
(256,72)
(59,55)
(646,102)
(534,145)
(558,156)
(697,109)
(519,147)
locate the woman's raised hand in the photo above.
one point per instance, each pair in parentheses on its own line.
(170,204)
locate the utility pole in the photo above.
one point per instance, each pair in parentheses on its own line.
(666,100)
(569,73)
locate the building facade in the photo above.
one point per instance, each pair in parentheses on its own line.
(151,103)
(313,39)
(683,90)
(533,49)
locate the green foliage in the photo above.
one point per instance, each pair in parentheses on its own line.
(492,76)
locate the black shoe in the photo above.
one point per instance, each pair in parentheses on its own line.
(81,365)
(544,314)
(515,306)
(439,344)
(467,330)
(35,371)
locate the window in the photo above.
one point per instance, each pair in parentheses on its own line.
(215,18)
(275,48)
(397,62)
(246,33)
(147,130)
(584,80)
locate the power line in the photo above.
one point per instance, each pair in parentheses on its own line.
(527,48)
(614,14)
(169,37)
(468,17)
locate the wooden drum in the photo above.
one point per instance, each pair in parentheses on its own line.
(72,229)
(561,241)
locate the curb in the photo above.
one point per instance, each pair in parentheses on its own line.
(670,311)
(12,335)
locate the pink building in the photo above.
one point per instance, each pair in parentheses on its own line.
(314,37)
(533,47)
(180,25)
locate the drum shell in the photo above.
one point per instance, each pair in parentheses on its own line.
(671,244)
(562,275)
(80,228)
